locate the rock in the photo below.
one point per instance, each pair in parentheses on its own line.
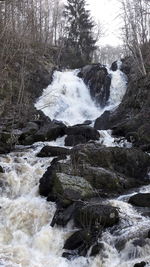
(80,242)
(141,200)
(110,170)
(139,242)
(105,180)
(86,131)
(132,137)
(114,66)
(77,239)
(96,249)
(53,151)
(68,255)
(47,132)
(47,180)
(1,170)
(63,215)
(102,123)
(30,128)
(95,216)
(141,264)
(73,140)
(98,80)
(71,187)
(149,234)
(128,162)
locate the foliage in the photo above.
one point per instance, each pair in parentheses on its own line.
(80,42)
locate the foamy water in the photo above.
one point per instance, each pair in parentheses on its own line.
(26,237)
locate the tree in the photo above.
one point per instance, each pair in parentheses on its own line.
(136,16)
(80,41)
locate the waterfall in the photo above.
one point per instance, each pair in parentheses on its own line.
(26,237)
(68,99)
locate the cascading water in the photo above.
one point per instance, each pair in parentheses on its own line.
(68,99)
(26,237)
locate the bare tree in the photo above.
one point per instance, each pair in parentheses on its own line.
(136,18)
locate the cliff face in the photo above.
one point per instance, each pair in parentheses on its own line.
(133,114)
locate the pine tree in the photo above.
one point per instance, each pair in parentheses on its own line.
(80,41)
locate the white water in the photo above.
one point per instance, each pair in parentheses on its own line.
(26,237)
(68,99)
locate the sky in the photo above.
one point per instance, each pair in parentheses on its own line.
(107,12)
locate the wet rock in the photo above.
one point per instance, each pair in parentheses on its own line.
(96,249)
(71,187)
(53,151)
(63,215)
(47,132)
(47,180)
(73,140)
(68,255)
(141,264)
(102,123)
(98,80)
(78,239)
(132,137)
(94,216)
(87,132)
(1,169)
(141,200)
(80,242)
(114,66)
(128,162)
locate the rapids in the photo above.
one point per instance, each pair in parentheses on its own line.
(26,237)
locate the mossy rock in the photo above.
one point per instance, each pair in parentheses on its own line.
(72,187)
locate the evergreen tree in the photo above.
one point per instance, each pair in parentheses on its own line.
(80,42)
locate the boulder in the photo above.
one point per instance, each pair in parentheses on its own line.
(114,66)
(98,80)
(129,162)
(141,264)
(73,140)
(78,239)
(53,151)
(71,187)
(96,249)
(89,133)
(1,169)
(47,132)
(95,216)
(63,214)
(102,123)
(141,200)
(47,180)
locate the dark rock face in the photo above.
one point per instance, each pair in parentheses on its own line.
(114,66)
(129,162)
(47,180)
(102,123)
(141,264)
(133,114)
(110,170)
(53,151)
(98,80)
(73,140)
(80,134)
(141,200)
(93,216)
(86,131)
(45,131)
(1,170)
